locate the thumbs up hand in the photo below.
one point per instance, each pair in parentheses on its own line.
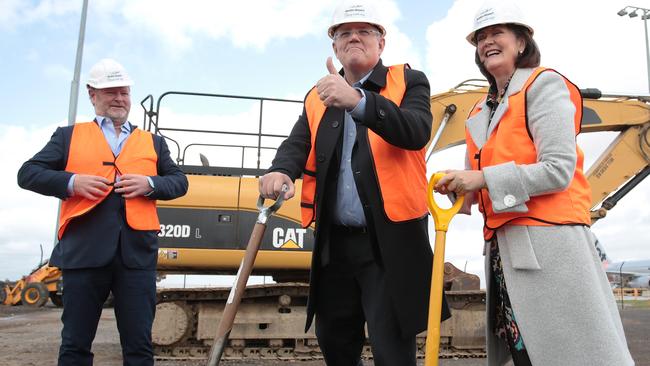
(335,91)
(330,66)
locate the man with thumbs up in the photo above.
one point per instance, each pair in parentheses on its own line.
(359,146)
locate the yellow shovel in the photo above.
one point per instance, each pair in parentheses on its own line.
(441,218)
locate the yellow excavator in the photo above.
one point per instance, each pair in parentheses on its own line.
(206,231)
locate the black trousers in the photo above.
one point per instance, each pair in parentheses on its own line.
(350,293)
(84,294)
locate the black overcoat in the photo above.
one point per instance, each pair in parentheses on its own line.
(402,249)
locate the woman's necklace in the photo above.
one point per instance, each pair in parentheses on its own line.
(495,97)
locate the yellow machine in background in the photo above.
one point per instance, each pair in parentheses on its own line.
(215,238)
(620,167)
(206,231)
(34,289)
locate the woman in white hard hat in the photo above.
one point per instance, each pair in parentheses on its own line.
(549,301)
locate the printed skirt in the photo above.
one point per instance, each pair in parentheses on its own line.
(505,323)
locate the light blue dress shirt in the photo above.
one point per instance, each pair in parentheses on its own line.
(348,210)
(114,141)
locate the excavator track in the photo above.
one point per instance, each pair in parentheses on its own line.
(270,324)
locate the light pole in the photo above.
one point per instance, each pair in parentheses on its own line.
(632,11)
(74,87)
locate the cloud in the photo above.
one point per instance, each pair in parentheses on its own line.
(449,60)
(28,220)
(57,72)
(48,8)
(255,24)
(16,12)
(399,47)
(248,24)
(9,10)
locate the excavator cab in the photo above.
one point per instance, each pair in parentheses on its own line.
(223,152)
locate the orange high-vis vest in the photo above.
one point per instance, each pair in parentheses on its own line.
(401,173)
(90,154)
(510,141)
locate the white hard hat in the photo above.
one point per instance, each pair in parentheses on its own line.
(108,73)
(358,11)
(497,12)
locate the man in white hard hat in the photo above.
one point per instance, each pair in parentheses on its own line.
(359,147)
(108,174)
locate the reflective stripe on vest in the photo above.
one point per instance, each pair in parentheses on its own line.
(401,173)
(511,141)
(90,154)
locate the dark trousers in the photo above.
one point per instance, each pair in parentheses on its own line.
(352,292)
(84,294)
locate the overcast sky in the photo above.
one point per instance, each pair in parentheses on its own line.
(277,49)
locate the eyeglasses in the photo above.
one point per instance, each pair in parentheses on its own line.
(363,33)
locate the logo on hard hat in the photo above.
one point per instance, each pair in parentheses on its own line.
(355,11)
(485,15)
(116,75)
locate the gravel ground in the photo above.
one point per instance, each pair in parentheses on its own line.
(30,337)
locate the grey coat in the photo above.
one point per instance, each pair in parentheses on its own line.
(559,292)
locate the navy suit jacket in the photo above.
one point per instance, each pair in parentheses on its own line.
(92,240)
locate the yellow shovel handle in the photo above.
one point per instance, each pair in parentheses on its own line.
(441,218)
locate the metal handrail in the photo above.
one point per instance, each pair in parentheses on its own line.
(153,118)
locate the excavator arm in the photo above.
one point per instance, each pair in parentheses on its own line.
(618,169)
